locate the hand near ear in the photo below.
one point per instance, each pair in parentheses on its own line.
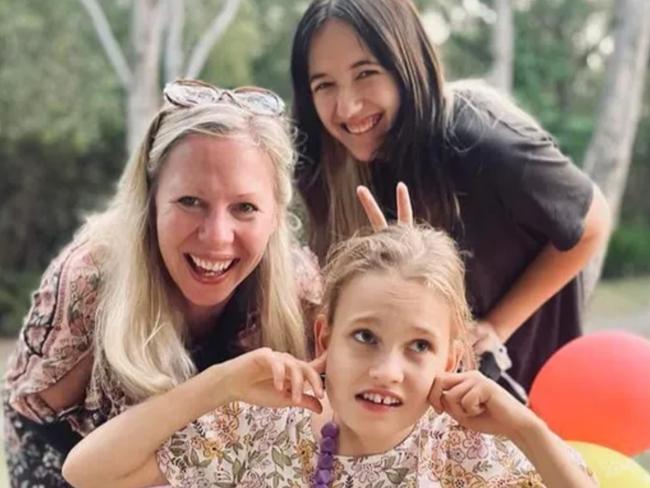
(374,213)
(272,379)
(478,403)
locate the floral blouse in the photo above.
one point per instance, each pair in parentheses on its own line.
(255,447)
(58,333)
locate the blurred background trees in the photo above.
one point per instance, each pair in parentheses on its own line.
(66,108)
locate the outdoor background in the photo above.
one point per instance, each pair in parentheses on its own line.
(79,78)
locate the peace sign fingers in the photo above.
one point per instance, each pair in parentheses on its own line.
(374,213)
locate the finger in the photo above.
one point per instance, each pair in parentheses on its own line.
(297,380)
(452,398)
(278,372)
(472,401)
(370,206)
(312,403)
(319,363)
(443,381)
(404,207)
(313,378)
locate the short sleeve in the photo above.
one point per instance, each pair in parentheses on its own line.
(539,187)
(484,460)
(459,454)
(57,332)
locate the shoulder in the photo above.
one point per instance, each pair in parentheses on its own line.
(457,453)
(484,125)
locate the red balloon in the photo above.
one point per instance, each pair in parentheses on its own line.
(597,389)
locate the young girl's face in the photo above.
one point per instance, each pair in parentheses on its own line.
(356,99)
(389,339)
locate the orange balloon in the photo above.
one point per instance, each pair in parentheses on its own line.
(597,389)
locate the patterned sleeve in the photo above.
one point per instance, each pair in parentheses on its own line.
(56,334)
(210,451)
(308,275)
(462,457)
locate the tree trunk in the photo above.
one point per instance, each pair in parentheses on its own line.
(502,47)
(143,97)
(608,156)
(174,48)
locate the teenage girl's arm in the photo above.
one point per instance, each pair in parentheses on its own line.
(549,272)
(478,403)
(543,278)
(122,452)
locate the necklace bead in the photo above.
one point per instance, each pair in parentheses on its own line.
(324,469)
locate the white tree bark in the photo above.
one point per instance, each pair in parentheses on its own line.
(174,48)
(608,156)
(141,80)
(502,47)
(210,37)
(108,41)
(143,95)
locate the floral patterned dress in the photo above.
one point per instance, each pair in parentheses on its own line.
(58,333)
(255,447)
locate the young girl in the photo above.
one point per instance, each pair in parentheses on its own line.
(391,338)
(370,97)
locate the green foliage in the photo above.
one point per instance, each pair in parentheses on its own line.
(62,107)
(15,291)
(57,84)
(629,252)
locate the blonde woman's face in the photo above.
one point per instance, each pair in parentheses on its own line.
(389,339)
(356,99)
(215,213)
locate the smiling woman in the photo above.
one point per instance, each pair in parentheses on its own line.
(192,263)
(374,109)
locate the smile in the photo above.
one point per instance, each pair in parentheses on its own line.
(366,125)
(210,268)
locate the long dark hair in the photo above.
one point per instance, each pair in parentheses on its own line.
(412,150)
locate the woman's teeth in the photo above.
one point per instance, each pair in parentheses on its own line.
(211,267)
(364,126)
(380,399)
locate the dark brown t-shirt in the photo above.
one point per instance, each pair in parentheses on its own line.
(516,192)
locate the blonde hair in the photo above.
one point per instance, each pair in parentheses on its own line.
(418,253)
(139,334)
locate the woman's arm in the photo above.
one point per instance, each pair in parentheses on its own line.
(122,452)
(549,272)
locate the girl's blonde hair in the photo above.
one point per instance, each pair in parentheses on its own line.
(139,334)
(419,253)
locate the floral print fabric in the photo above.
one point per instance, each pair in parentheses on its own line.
(255,447)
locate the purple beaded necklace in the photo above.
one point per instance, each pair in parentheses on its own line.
(328,446)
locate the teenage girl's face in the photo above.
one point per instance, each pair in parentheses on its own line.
(215,214)
(389,339)
(356,99)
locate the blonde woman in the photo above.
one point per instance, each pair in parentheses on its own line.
(191,264)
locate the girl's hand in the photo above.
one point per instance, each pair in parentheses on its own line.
(374,213)
(480,404)
(273,379)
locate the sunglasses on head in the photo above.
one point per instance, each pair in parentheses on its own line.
(187,93)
